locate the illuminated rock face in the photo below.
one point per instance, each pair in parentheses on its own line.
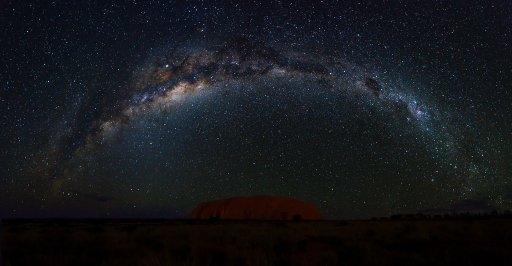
(257,208)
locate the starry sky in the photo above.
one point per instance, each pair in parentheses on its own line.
(144,109)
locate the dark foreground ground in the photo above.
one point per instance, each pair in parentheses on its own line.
(387,242)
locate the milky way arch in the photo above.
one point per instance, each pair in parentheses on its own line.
(165,85)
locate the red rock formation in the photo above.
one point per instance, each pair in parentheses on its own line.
(257,208)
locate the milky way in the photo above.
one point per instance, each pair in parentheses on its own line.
(166,86)
(146,109)
(162,87)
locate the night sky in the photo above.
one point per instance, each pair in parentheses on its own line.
(146,108)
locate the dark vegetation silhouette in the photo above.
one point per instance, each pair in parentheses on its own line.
(401,239)
(454,215)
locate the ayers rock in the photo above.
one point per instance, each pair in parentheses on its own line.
(257,208)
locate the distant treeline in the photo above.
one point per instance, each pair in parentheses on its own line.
(452,215)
